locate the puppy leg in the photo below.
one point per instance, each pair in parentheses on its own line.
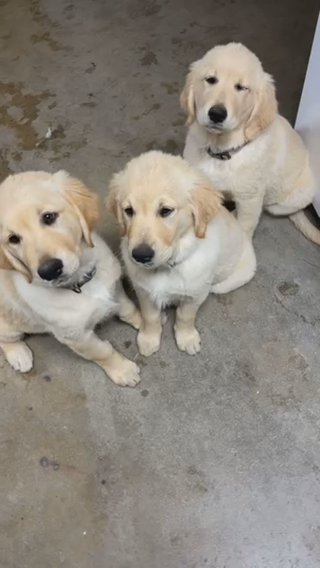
(243,273)
(291,205)
(149,336)
(187,336)
(18,354)
(127,310)
(120,370)
(248,213)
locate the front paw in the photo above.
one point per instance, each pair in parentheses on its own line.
(148,343)
(124,372)
(20,357)
(188,340)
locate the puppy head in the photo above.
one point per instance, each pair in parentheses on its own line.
(158,199)
(45,219)
(228,89)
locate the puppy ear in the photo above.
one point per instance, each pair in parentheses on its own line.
(113,205)
(206,202)
(264,111)
(9,262)
(84,202)
(187,100)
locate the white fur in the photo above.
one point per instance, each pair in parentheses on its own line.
(221,262)
(197,247)
(224,255)
(65,313)
(272,170)
(69,316)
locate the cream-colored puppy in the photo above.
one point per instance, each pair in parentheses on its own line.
(238,139)
(179,243)
(56,275)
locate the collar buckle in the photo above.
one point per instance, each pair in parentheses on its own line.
(225,154)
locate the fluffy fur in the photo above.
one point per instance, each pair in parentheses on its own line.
(271,170)
(30,304)
(163,203)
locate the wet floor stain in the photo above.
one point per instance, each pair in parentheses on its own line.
(46,463)
(46,378)
(171,88)
(143,9)
(38,14)
(288,288)
(91,68)
(19,111)
(149,58)
(148,111)
(45,37)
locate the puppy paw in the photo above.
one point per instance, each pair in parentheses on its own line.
(20,356)
(148,343)
(124,373)
(188,340)
(134,319)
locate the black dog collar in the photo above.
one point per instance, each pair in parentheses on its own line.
(225,154)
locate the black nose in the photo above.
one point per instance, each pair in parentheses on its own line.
(50,269)
(143,253)
(217,113)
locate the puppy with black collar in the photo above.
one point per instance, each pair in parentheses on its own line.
(237,138)
(56,275)
(178,243)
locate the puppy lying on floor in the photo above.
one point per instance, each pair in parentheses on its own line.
(239,140)
(56,275)
(179,243)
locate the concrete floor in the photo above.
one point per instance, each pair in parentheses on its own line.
(214,461)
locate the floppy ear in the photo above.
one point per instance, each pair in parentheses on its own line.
(113,205)
(206,202)
(84,201)
(9,262)
(187,101)
(264,111)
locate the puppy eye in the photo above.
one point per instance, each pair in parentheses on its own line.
(14,239)
(165,211)
(240,87)
(49,217)
(129,211)
(212,80)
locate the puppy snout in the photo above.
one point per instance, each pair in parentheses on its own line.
(143,254)
(217,113)
(50,269)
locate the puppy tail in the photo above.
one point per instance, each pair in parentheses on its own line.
(304,225)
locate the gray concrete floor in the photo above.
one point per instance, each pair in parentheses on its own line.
(214,461)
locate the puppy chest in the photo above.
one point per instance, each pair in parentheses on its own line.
(98,302)
(170,288)
(233,176)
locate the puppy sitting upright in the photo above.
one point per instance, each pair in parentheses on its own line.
(239,140)
(56,275)
(178,244)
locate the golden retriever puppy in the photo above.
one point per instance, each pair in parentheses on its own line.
(179,243)
(239,140)
(56,275)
